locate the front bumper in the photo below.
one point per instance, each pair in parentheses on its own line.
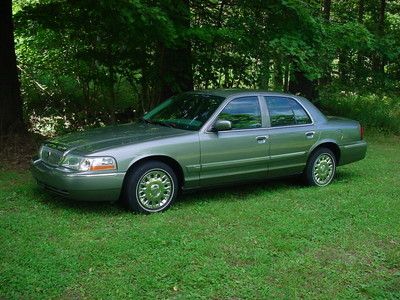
(78,186)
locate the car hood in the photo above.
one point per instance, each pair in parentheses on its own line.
(98,139)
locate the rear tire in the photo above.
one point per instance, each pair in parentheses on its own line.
(321,167)
(151,187)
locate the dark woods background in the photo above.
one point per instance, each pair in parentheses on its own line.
(88,63)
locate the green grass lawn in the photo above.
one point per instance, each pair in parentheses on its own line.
(273,240)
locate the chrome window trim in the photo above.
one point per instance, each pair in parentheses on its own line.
(355,145)
(285,155)
(290,126)
(261,128)
(96,174)
(238,130)
(298,102)
(207,125)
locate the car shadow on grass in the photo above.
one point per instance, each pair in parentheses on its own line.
(84,207)
(241,192)
(244,191)
(347,175)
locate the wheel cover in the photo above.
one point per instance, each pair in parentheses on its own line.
(155,189)
(324,168)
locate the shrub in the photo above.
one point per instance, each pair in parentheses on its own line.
(380,111)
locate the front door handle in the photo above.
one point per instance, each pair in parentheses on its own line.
(310,134)
(262,139)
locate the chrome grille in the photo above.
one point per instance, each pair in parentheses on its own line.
(50,155)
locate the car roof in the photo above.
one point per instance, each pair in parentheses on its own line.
(235,92)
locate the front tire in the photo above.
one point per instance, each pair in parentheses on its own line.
(151,187)
(321,167)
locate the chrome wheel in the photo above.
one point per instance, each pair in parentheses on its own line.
(323,169)
(155,189)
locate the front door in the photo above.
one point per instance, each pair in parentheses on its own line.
(237,154)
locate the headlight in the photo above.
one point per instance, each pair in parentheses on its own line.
(81,163)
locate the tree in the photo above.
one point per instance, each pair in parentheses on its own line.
(10,95)
(379,59)
(98,59)
(174,61)
(327,10)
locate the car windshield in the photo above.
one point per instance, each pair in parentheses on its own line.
(185,111)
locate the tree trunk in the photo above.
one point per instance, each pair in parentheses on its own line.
(113,98)
(264,73)
(360,68)
(327,10)
(176,74)
(343,67)
(381,24)
(378,61)
(303,86)
(326,77)
(361,11)
(382,64)
(10,95)
(278,75)
(286,78)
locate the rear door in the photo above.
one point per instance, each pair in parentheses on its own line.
(292,133)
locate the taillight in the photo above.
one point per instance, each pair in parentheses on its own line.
(361,132)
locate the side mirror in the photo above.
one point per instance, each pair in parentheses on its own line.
(222,125)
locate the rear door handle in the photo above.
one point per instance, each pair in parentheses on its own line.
(310,134)
(262,139)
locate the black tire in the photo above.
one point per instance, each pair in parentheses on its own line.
(311,174)
(146,183)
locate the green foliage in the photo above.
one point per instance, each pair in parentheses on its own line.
(264,241)
(90,62)
(352,36)
(372,110)
(88,59)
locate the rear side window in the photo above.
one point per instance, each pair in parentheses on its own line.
(244,113)
(285,111)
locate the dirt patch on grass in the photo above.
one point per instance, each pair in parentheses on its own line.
(328,255)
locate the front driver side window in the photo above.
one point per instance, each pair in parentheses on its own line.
(243,113)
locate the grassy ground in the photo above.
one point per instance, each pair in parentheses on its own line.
(275,240)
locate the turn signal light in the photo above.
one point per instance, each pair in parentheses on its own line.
(102,168)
